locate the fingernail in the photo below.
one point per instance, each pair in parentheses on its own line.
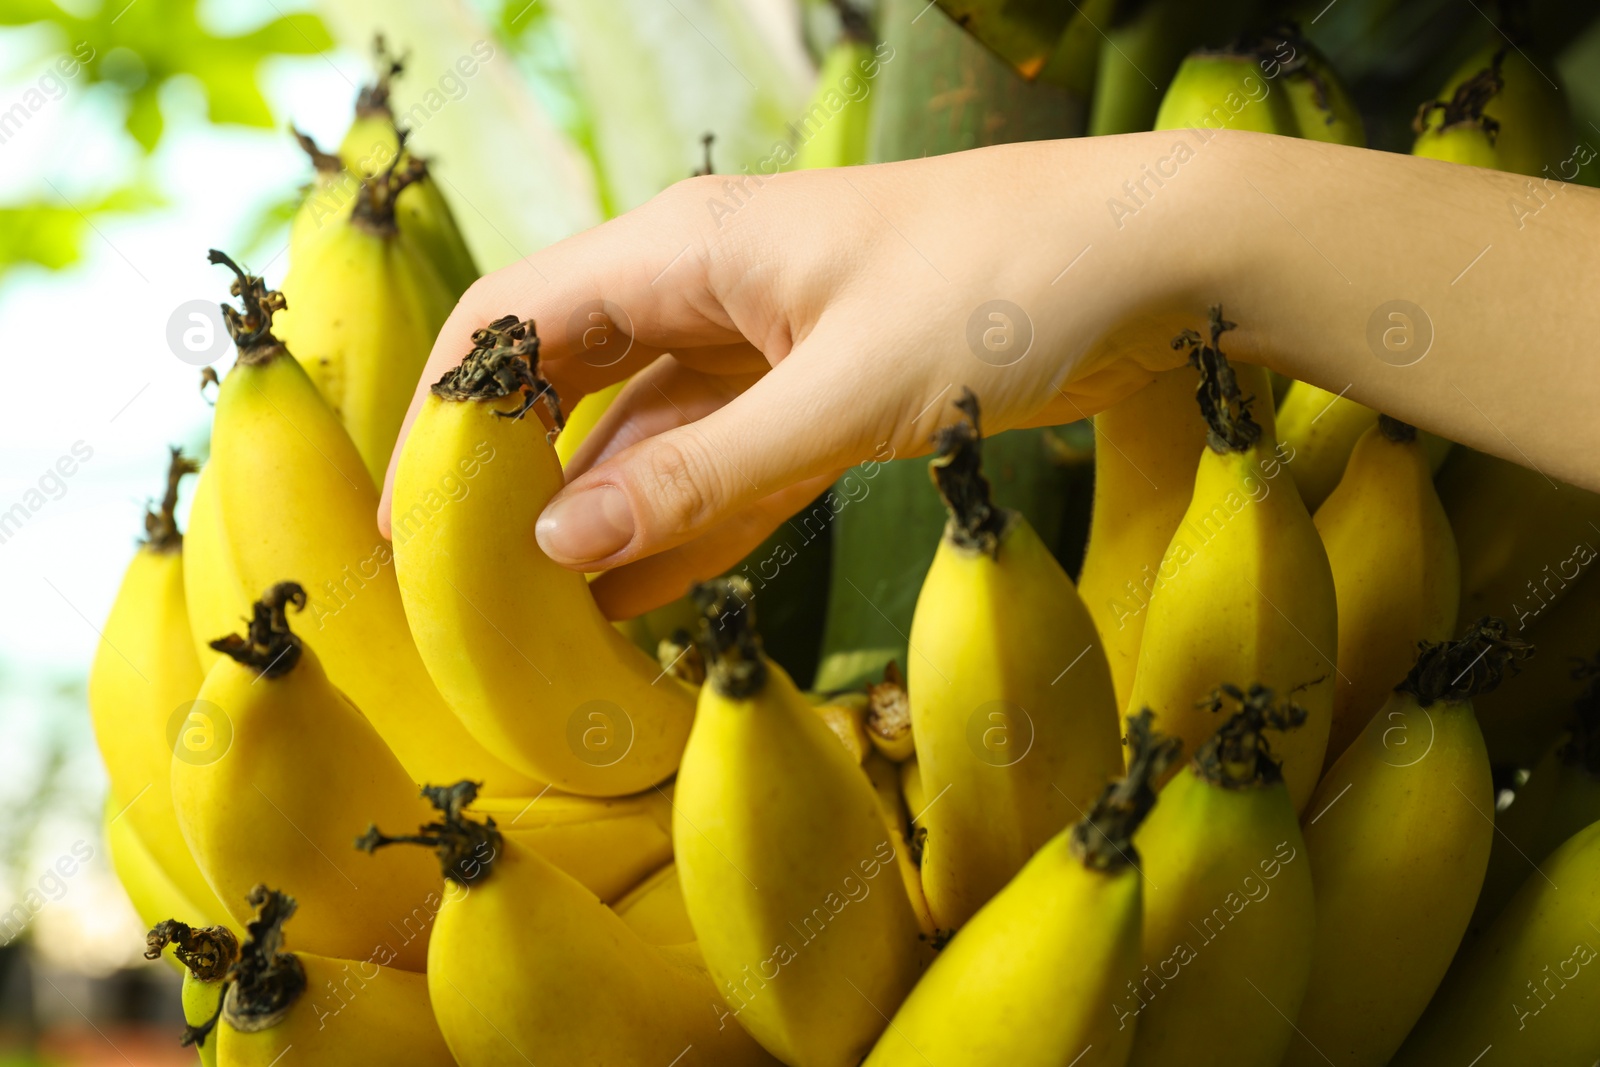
(586,527)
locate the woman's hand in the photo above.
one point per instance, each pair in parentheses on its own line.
(781,329)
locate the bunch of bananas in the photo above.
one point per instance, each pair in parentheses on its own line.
(1232,798)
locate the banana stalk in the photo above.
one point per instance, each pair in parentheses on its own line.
(205,957)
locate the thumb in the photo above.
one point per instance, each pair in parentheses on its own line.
(792,424)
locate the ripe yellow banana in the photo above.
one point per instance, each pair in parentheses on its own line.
(1227,902)
(1525,995)
(213,594)
(293,501)
(144,674)
(1244,590)
(585,416)
(846,715)
(1524,540)
(1322,428)
(1560,797)
(885,778)
(353,1012)
(1398,838)
(373,142)
(609,845)
(363,305)
(810,956)
(302,772)
(1033,979)
(150,889)
(514,641)
(1012,706)
(1396,572)
(527,966)
(1144,464)
(1525,716)
(204,956)
(654,909)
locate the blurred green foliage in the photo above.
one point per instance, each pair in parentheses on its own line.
(132,48)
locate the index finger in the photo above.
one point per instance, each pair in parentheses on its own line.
(641,278)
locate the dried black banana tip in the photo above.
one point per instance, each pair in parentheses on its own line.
(735,665)
(1395,430)
(1227,413)
(466,848)
(1460,670)
(1466,104)
(266,980)
(161,525)
(323,162)
(373,99)
(250,324)
(1238,755)
(374,208)
(705,146)
(1103,839)
(504,361)
(268,644)
(957,471)
(207,952)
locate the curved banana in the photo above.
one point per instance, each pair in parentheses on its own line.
(1560,797)
(1244,590)
(363,305)
(585,416)
(144,675)
(373,142)
(1525,993)
(1149,445)
(204,956)
(1034,979)
(1398,838)
(293,500)
(654,909)
(302,772)
(1396,572)
(885,778)
(527,966)
(840,138)
(609,845)
(1012,707)
(1322,428)
(514,641)
(1226,903)
(809,955)
(213,594)
(356,1012)
(150,890)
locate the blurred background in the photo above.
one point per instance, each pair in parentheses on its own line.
(136,134)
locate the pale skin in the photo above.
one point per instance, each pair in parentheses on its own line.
(824,321)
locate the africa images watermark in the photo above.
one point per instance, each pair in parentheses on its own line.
(853,87)
(47,88)
(49,486)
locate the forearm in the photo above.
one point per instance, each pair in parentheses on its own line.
(1492,345)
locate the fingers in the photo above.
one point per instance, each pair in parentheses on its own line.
(647,584)
(797,422)
(643,274)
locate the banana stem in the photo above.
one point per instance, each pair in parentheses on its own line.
(957,471)
(465,847)
(1465,106)
(504,361)
(375,200)
(1103,839)
(250,329)
(1399,432)
(1457,671)
(269,645)
(207,952)
(161,531)
(705,168)
(735,664)
(373,99)
(1238,755)
(323,162)
(266,980)
(1227,413)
